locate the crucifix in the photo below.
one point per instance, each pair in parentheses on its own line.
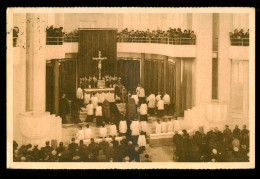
(99,59)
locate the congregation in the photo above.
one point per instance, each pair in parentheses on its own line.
(54,36)
(239,37)
(185,37)
(214,146)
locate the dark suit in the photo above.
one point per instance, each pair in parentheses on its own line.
(64,109)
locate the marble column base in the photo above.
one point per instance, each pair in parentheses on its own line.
(37,129)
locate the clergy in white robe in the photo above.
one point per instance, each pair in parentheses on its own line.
(103,131)
(158,127)
(112,130)
(90,112)
(169,125)
(143,112)
(80,96)
(157,98)
(80,135)
(151,103)
(164,126)
(122,127)
(141,140)
(160,107)
(88,132)
(135,97)
(135,129)
(167,102)
(99,115)
(94,101)
(176,125)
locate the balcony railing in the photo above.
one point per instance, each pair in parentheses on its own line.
(160,40)
(239,42)
(163,40)
(71,39)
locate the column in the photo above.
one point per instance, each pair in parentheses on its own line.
(202,26)
(35,125)
(142,69)
(165,74)
(35,62)
(56,64)
(224,63)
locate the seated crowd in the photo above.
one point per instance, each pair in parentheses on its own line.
(114,151)
(239,38)
(176,36)
(54,35)
(214,146)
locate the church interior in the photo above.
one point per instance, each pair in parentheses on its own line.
(145,80)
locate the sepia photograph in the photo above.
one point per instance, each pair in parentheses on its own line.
(130,88)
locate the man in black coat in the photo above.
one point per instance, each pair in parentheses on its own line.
(236,132)
(177,141)
(64,108)
(73,147)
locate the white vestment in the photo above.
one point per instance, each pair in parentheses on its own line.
(160,105)
(122,127)
(158,128)
(80,136)
(99,111)
(88,133)
(176,125)
(169,126)
(166,99)
(103,132)
(112,130)
(143,109)
(94,101)
(151,101)
(141,140)
(135,97)
(80,93)
(135,127)
(90,109)
(164,127)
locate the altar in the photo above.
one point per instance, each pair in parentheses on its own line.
(101,94)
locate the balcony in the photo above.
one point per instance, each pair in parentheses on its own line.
(239,42)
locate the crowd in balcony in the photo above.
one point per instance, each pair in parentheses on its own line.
(15,36)
(176,36)
(54,35)
(214,146)
(71,36)
(239,37)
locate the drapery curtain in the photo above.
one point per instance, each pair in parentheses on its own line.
(129,71)
(67,78)
(154,72)
(90,43)
(186,85)
(49,88)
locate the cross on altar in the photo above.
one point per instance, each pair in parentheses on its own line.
(99,59)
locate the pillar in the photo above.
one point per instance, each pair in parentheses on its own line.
(142,69)
(35,124)
(56,95)
(202,26)
(165,74)
(224,63)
